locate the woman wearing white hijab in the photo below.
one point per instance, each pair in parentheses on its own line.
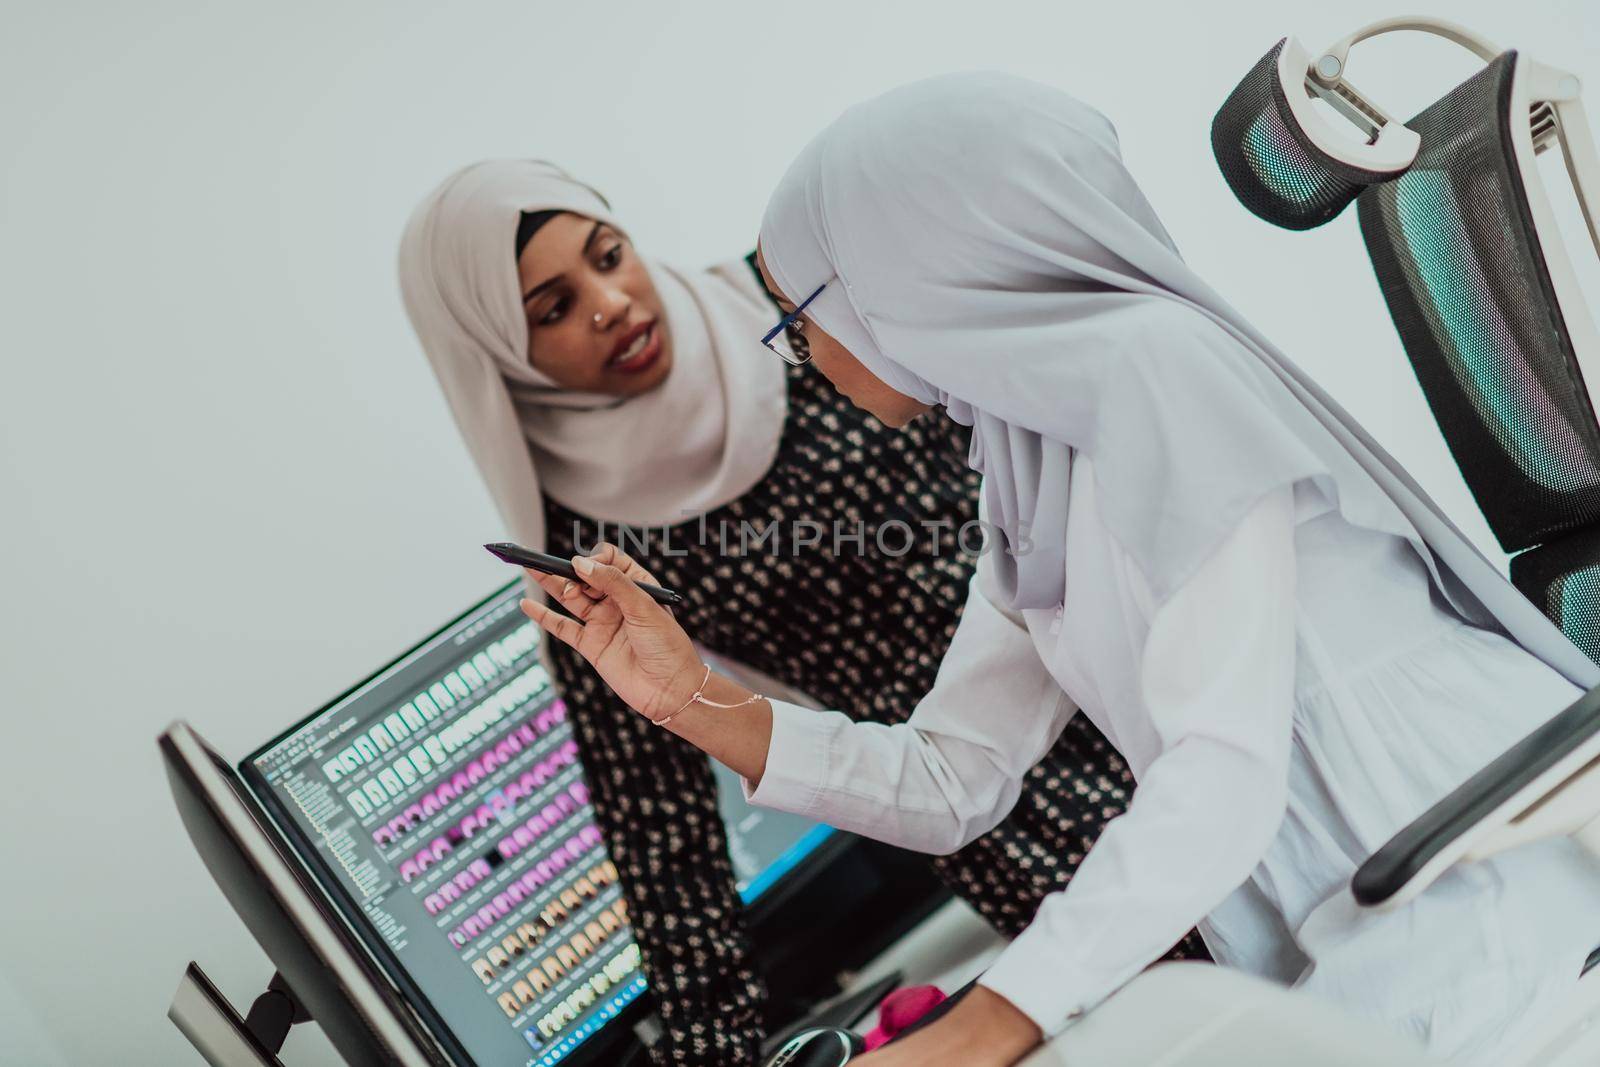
(594,387)
(1294,649)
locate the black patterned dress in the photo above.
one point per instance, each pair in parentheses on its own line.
(861,631)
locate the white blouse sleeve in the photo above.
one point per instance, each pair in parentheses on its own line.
(1217,675)
(948,774)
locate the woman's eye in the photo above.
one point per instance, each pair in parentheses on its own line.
(558,309)
(611,257)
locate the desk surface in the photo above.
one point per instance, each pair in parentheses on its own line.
(1174,1015)
(947,949)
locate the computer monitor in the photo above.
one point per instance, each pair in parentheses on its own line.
(442,806)
(330,974)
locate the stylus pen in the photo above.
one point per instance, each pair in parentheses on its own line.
(543,561)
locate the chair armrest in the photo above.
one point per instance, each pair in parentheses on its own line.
(1546,785)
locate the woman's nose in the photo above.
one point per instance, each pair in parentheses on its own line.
(611,308)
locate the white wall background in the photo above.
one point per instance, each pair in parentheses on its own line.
(228,486)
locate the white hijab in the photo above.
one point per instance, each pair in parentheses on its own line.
(993,255)
(700,439)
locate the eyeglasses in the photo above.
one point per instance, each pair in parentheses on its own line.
(798,354)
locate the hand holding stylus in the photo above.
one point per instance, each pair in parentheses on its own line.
(641,652)
(634,644)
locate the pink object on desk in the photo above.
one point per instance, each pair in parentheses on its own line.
(900,1009)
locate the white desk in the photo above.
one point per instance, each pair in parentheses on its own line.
(1174,1015)
(947,949)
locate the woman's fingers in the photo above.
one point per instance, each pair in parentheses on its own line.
(619,589)
(610,554)
(557,625)
(613,556)
(550,583)
(557,586)
(574,596)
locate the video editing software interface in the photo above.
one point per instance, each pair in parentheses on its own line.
(446,799)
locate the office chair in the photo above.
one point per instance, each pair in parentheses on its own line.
(1481,288)
(1478,279)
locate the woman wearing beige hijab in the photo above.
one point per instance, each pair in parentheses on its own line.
(595,387)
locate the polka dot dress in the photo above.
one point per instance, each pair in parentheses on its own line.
(862,630)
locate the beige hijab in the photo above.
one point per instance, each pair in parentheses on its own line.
(700,439)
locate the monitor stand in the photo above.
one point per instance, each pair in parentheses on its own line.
(213,1027)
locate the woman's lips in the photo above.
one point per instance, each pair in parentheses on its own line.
(637,352)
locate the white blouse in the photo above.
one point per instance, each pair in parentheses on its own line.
(1295,703)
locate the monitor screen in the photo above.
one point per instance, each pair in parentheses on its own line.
(443,803)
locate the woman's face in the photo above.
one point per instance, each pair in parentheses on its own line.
(847,373)
(595,322)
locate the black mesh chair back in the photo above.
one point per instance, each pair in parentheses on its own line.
(1460,265)
(1476,283)
(1275,169)
(1563,578)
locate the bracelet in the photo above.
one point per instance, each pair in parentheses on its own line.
(700,696)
